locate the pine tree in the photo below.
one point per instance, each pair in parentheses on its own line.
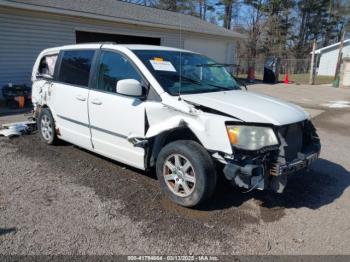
(278,27)
(181,6)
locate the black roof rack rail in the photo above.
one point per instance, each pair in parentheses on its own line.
(102,42)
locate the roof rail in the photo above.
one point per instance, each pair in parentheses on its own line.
(102,42)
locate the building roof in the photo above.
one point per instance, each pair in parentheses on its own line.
(118,11)
(336,45)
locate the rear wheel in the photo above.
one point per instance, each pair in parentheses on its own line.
(46,127)
(186,172)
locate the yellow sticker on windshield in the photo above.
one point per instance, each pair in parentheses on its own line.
(159,59)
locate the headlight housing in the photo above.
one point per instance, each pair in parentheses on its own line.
(251,137)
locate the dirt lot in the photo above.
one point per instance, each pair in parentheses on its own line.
(65,200)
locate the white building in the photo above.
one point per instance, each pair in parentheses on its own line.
(327,58)
(29,26)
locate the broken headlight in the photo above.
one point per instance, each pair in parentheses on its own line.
(251,137)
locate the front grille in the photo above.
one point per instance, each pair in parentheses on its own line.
(291,137)
(296,142)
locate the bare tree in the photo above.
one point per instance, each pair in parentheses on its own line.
(226,15)
(204,6)
(255,25)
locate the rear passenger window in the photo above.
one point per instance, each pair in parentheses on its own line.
(75,67)
(112,68)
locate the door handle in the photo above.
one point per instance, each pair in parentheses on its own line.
(96,102)
(80,98)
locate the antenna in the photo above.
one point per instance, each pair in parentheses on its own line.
(180,84)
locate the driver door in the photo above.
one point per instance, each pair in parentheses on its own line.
(115,117)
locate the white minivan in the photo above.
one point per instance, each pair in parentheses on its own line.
(172,109)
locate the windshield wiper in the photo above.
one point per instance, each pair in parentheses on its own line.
(221,87)
(217,65)
(204,83)
(191,80)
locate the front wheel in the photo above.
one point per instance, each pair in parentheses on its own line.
(186,172)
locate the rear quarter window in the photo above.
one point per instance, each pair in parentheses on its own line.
(47,65)
(75,67)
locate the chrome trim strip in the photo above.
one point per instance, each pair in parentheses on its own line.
(93,127)
(109,132)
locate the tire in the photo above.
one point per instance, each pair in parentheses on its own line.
(186,172)
(46,127)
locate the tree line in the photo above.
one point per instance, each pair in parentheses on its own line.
(280,28)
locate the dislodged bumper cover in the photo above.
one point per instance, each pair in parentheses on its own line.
(302,162)
(17,129)
(300,147)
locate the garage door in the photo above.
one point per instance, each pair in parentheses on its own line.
(216,50)
(92,37)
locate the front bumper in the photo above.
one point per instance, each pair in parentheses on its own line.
(302,162)
(262,170)
(267,175)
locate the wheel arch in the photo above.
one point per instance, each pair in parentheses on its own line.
(38,109)
(159,141)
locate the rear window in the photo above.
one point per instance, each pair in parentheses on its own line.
(75,67)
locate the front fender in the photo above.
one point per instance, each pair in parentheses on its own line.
(209,128)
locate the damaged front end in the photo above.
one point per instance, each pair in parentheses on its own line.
(268,168)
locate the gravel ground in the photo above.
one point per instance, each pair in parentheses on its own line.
(65,200)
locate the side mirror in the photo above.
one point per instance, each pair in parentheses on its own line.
(129,87)
(44,76)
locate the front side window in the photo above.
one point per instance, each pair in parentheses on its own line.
(75,67)
(186,73)
(112,68)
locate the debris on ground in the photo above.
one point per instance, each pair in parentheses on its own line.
(18,128)
(298,240)
(268,245)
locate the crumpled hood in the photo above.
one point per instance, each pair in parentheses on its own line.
(250,107)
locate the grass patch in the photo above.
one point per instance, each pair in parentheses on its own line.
(304,79)
(297,78)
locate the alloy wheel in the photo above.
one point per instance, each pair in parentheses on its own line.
(179,175)
(46,128)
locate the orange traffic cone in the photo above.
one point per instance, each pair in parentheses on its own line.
(286,80)
(21,101)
